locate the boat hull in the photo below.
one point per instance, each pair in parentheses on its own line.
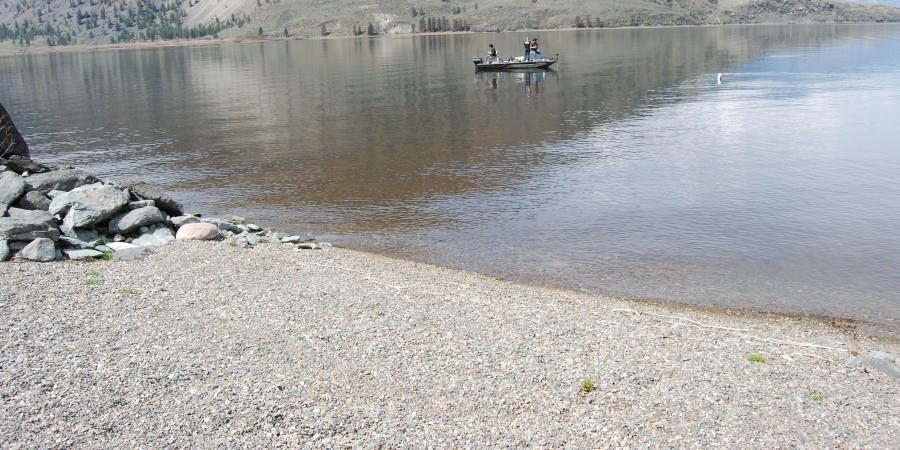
(515,65)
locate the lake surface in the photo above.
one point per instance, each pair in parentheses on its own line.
(628,170)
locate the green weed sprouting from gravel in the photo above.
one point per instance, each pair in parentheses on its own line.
(587,386)
(817,397)
(127,291)
(756,357)
(107,256)
(93,277)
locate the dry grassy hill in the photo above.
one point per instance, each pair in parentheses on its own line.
(60,22)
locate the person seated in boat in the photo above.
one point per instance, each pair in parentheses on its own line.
(492,53)
(527,50)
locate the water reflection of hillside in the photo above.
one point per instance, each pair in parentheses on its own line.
(363,131)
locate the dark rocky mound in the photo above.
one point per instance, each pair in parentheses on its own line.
(11,141)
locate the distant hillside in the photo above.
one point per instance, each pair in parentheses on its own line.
(61,22)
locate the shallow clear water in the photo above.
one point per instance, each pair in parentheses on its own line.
(628,170)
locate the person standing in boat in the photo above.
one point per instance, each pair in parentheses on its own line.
(535,53)
(492,53)
(527,50)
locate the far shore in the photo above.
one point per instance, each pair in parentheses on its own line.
(12,50)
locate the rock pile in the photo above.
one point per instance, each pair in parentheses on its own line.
(49,214)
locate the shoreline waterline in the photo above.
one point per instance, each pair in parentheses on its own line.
(202,42)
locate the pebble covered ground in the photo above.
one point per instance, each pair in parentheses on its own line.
(205,344)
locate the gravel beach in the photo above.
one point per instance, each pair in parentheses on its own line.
(205,344)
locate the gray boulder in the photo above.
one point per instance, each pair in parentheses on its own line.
(34,200)
(179,221)
(59,180)
(77,244)
(140,204)
(81,234)
(23,223)
(141,217)
(11,141)
(160,198)
(88,205)
(4,250)
(54,193)
(12,186)
(132,254)
(82,254)
(154,237)
(40,250)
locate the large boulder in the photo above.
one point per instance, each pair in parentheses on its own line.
(160,198)
(25,225)
(59,180)
(41,250)
(34,200)
(133,220)
(197,232)
(155,237)
(88,205)
(12,186)
(76,255)
(11,141)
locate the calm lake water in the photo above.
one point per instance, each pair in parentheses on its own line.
(628,170)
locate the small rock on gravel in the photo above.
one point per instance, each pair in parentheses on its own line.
(132,254)
(155,236)
(4,250)
(197,232)
(83,254)
(40,250)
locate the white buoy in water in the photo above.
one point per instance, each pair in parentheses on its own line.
(719,79)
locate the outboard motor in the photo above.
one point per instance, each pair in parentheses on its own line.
(477,61)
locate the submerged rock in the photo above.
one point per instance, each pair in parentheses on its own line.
(59,180)
(12,186)
(40,250)
(880,361)
(88,205)
(21,164)
(197,232)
